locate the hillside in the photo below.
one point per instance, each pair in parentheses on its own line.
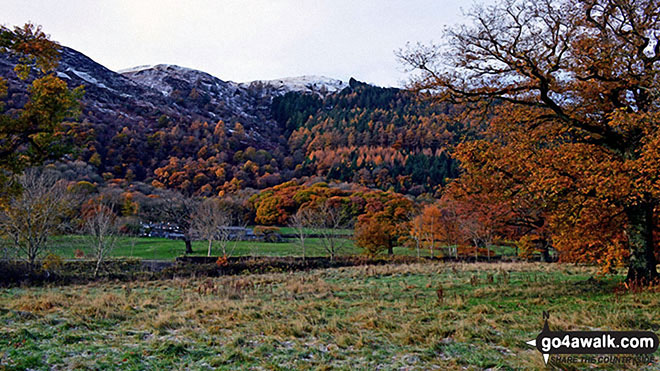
(182,128)
(373,136)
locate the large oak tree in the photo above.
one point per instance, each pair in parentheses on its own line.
(570,92)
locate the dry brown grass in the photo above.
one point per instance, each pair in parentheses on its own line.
(361,316)
(40,304)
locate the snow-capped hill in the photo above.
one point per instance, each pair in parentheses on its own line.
(172,79)
(205,95)
(167,78)
(160,66)
(306,84)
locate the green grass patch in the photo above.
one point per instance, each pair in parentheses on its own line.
(166,249)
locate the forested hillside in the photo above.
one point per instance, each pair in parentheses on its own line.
(184,129)
(377,137)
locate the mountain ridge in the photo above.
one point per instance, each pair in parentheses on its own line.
(299,83)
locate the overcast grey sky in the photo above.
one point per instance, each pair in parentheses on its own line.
(243,40)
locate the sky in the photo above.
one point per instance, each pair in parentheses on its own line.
(245,40)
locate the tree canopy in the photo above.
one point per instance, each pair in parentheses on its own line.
(35,132)
(569,92)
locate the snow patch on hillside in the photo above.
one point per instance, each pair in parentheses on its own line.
(161,67)
(307,84)
(159,77)
(87,77)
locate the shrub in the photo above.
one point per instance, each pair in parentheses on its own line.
(268,234)
(222,261)
(52,262)
(262,230)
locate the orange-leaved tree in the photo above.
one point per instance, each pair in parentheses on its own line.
(35,132)
(384,222)
(573,92)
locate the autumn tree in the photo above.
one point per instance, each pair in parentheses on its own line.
(451,223)
(431,228)
(374,235)
(383,223)
(499,202)
(30,217)
(36,132)
(573,87)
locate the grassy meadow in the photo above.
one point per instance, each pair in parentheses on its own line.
(166,249)
(386,317)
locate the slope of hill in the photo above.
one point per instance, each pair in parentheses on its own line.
(147,94)
(109,96)
(197,91)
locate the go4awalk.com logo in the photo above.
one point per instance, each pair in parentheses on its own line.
(600,346)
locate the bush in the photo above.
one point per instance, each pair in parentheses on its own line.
(52,263)
(262,230)
(268,234)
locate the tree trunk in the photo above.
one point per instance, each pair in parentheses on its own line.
(99,259)
(98,266)
(545,254)
(642,265)
(390,250)
(545,250)
(188,246)
(210,244)
(32,263)
(542,245)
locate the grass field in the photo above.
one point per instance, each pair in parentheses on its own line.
(165,249)
(162,248)
(359,318)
